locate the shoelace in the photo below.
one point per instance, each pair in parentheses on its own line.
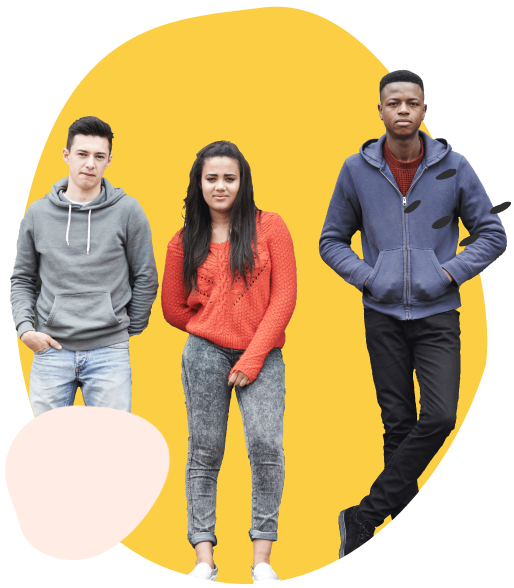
(364,535)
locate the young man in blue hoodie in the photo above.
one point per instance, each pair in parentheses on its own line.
(84,280)
(405,192)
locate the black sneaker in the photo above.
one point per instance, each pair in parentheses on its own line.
(354,530)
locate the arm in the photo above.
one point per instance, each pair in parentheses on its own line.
(342,221)
(24,277)
(281,304)
(474,208)
(139,251)
(173,298)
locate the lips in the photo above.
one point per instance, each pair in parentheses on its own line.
(88,175)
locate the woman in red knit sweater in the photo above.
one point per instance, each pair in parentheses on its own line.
(230,281)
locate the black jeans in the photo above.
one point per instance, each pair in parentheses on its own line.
(431,346)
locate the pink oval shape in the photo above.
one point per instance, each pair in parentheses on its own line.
(82,478)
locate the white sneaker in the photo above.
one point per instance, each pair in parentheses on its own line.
(204,572)
(263,572)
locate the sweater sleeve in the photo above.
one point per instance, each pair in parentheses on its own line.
(24,277)
(144,280)
(342,222)
(474,209)
(173,297)
(281,305)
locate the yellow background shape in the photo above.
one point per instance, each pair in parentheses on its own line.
(298,95)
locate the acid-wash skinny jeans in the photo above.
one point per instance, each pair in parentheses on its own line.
(205,371)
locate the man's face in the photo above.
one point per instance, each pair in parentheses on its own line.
(88,157)
(402,108)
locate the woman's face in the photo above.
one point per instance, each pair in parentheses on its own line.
(220,183)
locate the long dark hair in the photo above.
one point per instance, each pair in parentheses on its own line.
(196,234)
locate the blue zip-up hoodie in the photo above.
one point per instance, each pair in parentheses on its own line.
(404,256)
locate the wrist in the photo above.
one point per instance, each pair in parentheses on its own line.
(25,332)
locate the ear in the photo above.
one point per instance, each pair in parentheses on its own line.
(109,160)
(66,155)
(380,111)
(424,111)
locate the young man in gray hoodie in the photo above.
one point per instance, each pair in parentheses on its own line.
(84,280)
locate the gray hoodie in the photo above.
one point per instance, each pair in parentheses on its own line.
(84,274)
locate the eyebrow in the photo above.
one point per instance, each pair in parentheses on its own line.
(86,151)
(215,174)
(408,99)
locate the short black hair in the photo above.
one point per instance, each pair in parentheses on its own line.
(89,125)
(401,75)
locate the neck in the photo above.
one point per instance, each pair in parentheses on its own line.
(78,194)
(404,149)
(220,219)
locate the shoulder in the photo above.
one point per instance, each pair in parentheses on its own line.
(176,241)
(353,160)
(40,205)
(272,227)
(269,221)
(129,203)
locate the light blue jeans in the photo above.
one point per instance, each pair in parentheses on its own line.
(103,375)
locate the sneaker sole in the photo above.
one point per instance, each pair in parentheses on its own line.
(342,532)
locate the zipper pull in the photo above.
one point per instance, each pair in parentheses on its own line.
(404,201)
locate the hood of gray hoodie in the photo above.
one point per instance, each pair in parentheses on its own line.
(107,197)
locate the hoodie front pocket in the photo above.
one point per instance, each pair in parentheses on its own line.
(386,282)
(88,311)
(427,278)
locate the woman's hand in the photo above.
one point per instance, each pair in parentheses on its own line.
(239,379)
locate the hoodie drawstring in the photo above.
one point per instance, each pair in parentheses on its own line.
(88,229)
(68,227)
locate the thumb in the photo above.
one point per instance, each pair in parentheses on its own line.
(54,343)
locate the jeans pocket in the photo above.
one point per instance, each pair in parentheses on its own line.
(43,351)
(386,281)
(123,345)
(427,278)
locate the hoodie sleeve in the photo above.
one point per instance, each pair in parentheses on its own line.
(173,297)
(281,304)
(143,272)
(344,219)
(24,277)
(474,208)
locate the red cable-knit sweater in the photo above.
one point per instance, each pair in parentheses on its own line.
(231,315)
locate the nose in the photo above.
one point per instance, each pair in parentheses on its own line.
(90,163)
(404,108)
(220,185)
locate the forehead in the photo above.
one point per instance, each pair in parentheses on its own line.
(403,90)
(221,166)
(90,143)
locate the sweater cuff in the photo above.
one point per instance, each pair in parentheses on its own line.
(360,275)
(24,327)
(250,372)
